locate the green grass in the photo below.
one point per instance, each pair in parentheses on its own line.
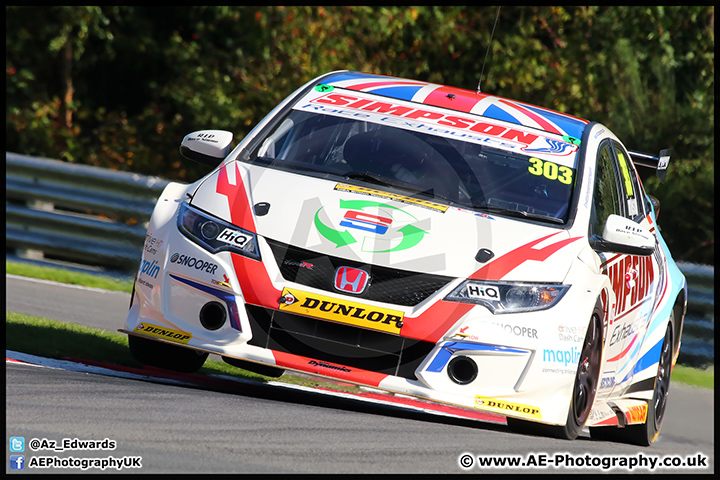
(66,276)
(696,377)
(53,339)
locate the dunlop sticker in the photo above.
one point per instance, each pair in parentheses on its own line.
(501,406)
(392,196)
(335,309)
(162,332)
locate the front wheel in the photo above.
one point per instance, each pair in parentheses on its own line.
(584,389)
(164,355)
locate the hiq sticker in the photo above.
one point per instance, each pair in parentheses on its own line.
(480,291)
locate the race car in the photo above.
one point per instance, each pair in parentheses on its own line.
(425,240)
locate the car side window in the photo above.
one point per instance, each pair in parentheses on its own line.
(606,196)
(632,194)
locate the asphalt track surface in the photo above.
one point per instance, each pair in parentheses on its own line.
(265,429)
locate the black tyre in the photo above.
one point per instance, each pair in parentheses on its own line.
(584,390)
(645,434)
(165,355)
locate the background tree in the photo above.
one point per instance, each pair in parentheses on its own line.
(120,86)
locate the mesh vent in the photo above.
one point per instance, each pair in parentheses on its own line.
(333,342)
(388,285)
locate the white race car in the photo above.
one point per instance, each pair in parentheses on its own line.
(426,240)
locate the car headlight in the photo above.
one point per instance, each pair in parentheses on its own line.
(214,234)
(508,297)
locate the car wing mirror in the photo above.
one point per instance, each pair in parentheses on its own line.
(208,147)
(622,235)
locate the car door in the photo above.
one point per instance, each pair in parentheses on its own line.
(612,195)
(640,277)
(618,191)
(606,202)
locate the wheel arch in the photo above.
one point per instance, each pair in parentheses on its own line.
(679,310)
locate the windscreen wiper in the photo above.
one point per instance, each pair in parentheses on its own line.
(522,214)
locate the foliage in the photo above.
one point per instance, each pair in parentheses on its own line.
(119,86)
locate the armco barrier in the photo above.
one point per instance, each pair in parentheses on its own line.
(77,213)
(698,345)
(98,217)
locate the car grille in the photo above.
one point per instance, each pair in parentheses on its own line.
(387,285)
(333,342)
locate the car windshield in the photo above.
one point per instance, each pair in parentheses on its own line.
(472,171)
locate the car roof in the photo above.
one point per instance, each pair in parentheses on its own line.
(461,100)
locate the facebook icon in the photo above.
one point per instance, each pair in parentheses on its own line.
(17,462)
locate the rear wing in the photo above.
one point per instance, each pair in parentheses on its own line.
(659,163)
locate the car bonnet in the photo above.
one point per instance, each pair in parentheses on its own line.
(376,225)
